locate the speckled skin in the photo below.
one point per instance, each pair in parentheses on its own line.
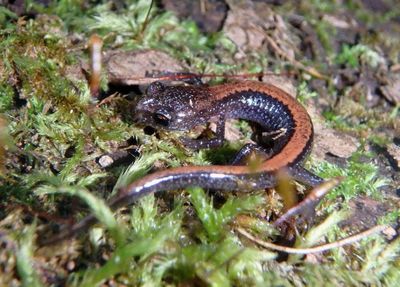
(183,107)
(270,108)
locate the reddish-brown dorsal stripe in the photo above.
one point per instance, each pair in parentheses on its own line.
(303,130)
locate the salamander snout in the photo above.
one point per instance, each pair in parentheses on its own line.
(154,115)
(157,118)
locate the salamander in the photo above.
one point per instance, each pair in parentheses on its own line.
(283,132)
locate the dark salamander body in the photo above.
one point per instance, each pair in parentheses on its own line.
(271,112)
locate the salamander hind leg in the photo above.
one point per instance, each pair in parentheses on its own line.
(302,175)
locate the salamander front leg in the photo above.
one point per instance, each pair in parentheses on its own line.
(217,141)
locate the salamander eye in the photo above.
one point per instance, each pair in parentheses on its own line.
(162,118)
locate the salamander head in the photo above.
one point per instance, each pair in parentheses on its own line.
(168,107)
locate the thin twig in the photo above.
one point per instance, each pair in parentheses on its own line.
(108,99)
(316,249)
(95,45)
(310,70)
(148,80)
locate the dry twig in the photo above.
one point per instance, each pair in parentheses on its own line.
(315,249)
(310,70)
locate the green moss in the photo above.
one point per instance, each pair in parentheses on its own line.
(25,260)
(304,94)
(391,217)
(359,54)
(354,117)
(75,14)
(5,16)
(214,220)
(361,177)
(6,98)
(151,237)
